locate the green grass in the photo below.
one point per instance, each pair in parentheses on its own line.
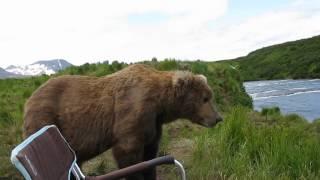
(242,149)
(13,94)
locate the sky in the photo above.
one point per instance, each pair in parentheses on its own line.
(83,31)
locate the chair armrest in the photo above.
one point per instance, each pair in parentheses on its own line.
(134,168)
(160,160)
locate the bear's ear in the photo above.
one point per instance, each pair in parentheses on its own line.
(182,82)
(202,78)
(181,78)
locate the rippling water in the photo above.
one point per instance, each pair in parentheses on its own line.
(292,96)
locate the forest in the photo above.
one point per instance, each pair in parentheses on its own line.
(291,60)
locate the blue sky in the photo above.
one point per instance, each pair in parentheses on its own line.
(238,10)
(147,18)
(89,31)
(241,9)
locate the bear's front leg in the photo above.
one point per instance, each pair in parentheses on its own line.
(150,152)
(128,152)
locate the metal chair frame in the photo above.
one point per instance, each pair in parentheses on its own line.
(23,163)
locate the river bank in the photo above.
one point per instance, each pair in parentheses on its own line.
(300,97)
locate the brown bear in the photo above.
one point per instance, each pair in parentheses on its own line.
(123,111)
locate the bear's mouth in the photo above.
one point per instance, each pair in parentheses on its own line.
(210,123)
(207,123)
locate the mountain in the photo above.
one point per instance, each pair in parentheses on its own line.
(55,65)
(291,60)
(6,74)
(40,67)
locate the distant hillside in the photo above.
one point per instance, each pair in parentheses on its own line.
(294,60)
(6,74)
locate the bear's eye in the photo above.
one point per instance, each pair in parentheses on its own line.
(205,100)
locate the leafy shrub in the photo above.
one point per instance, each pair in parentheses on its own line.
(271,111)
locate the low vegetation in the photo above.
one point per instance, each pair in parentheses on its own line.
(13,94)
(247,145)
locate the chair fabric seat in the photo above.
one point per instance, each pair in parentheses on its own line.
(44,155)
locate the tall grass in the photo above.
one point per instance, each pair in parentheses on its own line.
(240,149)
(13,94)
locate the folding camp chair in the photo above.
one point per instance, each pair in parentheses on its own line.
(47,155)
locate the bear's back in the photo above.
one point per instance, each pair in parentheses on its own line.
(61,86)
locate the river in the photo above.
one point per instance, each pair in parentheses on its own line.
(291,96)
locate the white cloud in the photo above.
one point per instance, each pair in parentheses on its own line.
(82,31)
(299,20)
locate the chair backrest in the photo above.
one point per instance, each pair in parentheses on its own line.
(44,155)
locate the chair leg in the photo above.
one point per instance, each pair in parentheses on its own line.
(78,171)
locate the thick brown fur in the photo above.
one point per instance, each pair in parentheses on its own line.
(123,111)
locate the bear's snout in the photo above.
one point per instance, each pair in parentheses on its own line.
(212,121)
(219,119)
(208,115)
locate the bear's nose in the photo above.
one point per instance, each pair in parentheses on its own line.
(219,118)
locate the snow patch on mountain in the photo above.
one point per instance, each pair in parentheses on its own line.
(6,74)
(31,70)
(40,67)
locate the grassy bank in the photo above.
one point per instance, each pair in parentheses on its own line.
(249,146)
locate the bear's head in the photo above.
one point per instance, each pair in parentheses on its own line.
(194,99)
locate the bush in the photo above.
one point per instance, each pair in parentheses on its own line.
(271,111)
